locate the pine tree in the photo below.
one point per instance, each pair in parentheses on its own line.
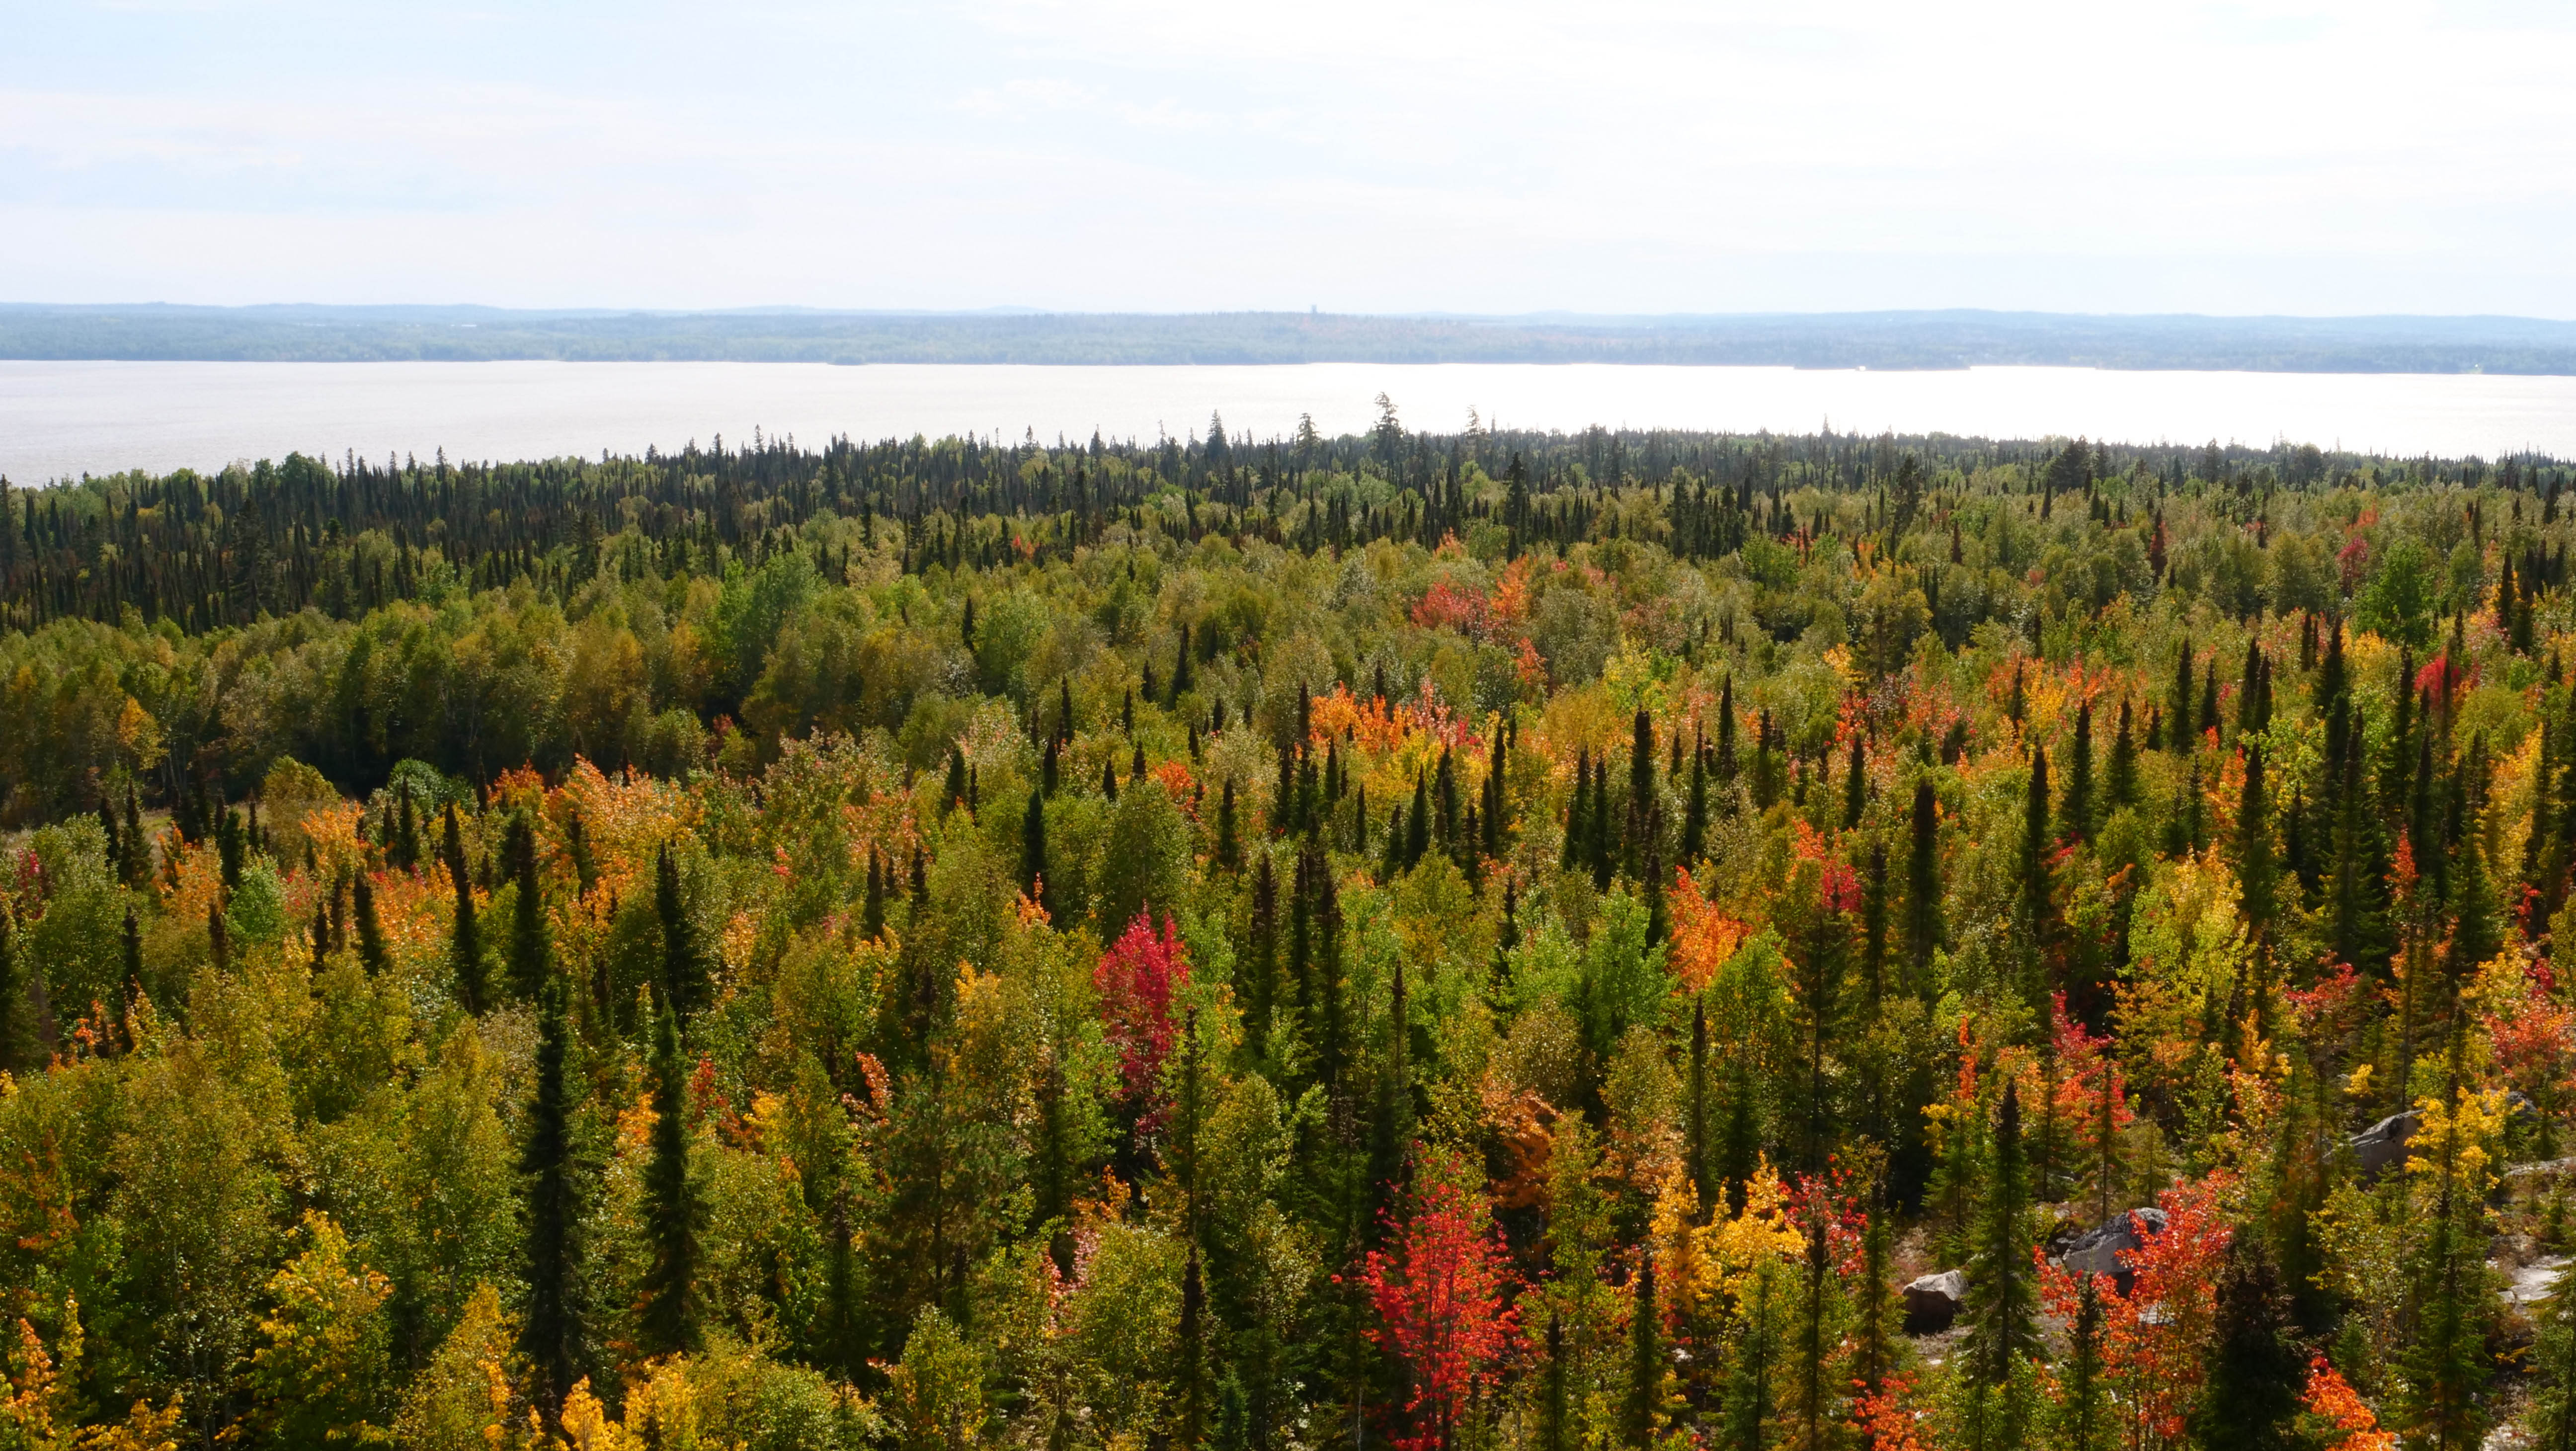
(669,1322)
(529,952)
(465,943)
(551,1335)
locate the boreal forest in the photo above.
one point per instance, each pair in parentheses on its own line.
(1437,940)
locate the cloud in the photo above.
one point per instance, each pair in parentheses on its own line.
(1155,153)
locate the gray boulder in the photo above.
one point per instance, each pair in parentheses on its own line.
(2382,1146)
(1932,1303)
(2097,1251)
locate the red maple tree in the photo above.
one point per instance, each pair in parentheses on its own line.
(1442,1292)
(1137,978)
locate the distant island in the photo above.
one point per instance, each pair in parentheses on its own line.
(1880,340)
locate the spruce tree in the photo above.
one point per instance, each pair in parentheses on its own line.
(1033,854)
(2003,1300)
(1642,1412)
(1578,818)
(1855,787)
(2075,811)
(2084,1415)
(2121,783)
(2178,705)
(2255,871)
(551,1335)
(14,1001)
(371,930)
(465,941)
(1695,815)
(1923,887)
(2250,1400)
(671,1211)
(683,979)
(529,952)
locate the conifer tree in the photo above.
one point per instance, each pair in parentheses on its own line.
(1642,1413)
(2075,811)
(2121,782)
(872,908)
(2178,706)
(1695,814)
(371,930)
(2250,1401)
(529,952)
(683,979)
(2083,1420)
(14,1002)
(1261,963)
(1726,732)
(669,1322)
(551,1335)
(465,943)
(1033,854)
(2002,1297)
(1923,886)
(1855,788)
(1578,819)
(2254,866)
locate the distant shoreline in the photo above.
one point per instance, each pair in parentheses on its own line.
(1926,341)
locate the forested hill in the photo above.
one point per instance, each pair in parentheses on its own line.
(1884,340)
(1456,941)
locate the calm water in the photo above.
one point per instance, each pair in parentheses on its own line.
(59,420)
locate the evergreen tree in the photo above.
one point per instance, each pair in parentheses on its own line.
(671,1209)
(2075,811)
(2178,706)
(1578,819)
(2250,1399)
(551,1335)
(1923,887)
(2121,783)
(2254,867)
(1641,1415)
(371,930)
(1855,788)
(872,908)
(529,947)
(465,943)
(2003,1301)
(2084,1414)
(683,978)
(1033,854)
(1695,815)
(16,1008)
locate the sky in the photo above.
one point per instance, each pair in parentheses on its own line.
(1623,156)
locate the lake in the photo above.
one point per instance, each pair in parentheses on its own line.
(59,420)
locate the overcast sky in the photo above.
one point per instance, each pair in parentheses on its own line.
(1357,155)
